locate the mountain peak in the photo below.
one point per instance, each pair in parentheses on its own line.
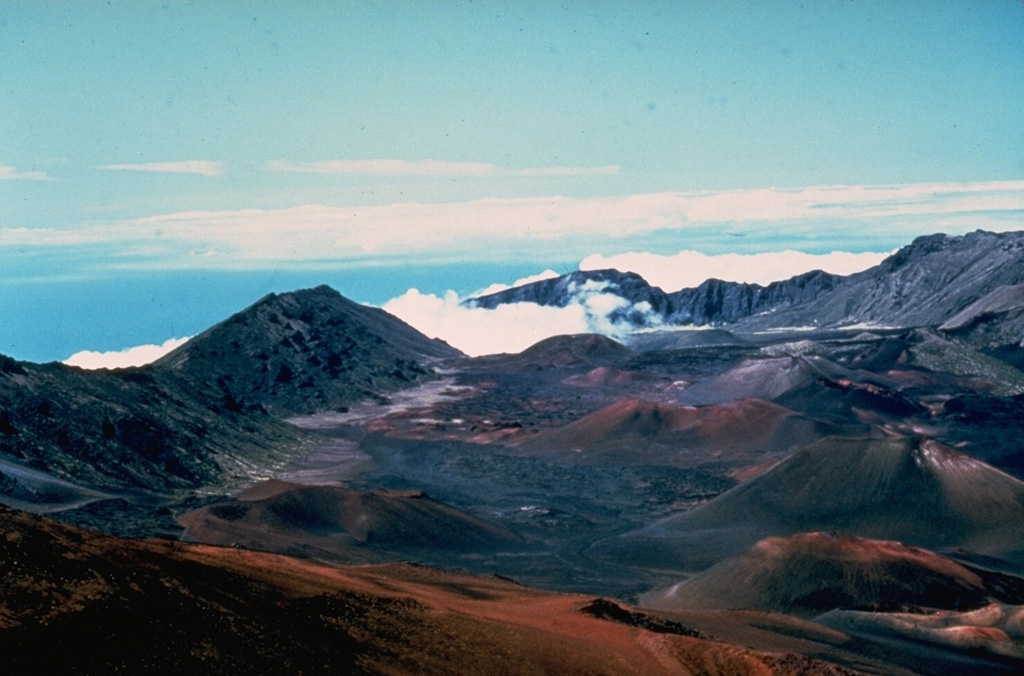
(308,350)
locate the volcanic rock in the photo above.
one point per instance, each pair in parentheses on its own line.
(139,428)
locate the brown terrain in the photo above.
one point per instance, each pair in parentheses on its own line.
(165,607)
(742,431)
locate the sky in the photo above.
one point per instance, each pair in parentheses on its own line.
(165,164)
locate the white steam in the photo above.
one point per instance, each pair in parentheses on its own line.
(476,331)
(513,327)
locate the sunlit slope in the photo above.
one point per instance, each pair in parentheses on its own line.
(811,573)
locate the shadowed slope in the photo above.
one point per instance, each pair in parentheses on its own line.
(347,525)
(125,429)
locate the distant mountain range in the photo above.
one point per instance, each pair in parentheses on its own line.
(969,284)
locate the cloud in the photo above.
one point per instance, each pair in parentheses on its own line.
(201,167)
(488,229)
(513,327)
(132,356)
(477,331)
(9,173)
(688,269)
(440,168)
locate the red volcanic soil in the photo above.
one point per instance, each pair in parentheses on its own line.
(78,602)
(811,573)
(346,525)
(631,430)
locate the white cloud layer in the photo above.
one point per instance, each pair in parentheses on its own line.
(688,269)
(494,228)
(201,167)
(133,356)
(9,173)
(476,331)
(392,167)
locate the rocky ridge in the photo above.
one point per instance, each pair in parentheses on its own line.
(926,283)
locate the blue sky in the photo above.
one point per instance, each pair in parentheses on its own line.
(162,164)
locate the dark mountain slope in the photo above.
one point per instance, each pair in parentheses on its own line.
(718,302)
(199,415)
(307,350)
(992,321)
(127,429)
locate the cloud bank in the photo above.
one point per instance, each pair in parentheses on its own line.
(132,356)
(841,217)
(476,331)
(200,167)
